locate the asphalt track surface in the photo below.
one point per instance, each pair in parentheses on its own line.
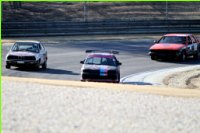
(64,58)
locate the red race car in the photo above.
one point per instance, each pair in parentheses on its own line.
(177,46)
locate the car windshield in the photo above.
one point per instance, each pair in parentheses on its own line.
(30,47)
(173,39)
(100,61)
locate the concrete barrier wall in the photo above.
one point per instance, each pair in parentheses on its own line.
(12,29)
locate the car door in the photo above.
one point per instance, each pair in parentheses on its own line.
(195,43)
(190,46)
(43,53)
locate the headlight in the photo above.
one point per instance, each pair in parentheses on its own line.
(37,57)
(179,52)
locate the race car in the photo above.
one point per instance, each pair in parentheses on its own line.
(101,66)
(27,54)
(177,46)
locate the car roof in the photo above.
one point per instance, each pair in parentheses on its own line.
(178,34)
(27,41)
(110,55)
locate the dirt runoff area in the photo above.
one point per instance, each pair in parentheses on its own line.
(189,79)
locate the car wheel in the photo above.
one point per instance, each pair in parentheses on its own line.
(37,67)
(7,66)
(196,55)
(183,56)
(153,58)
(44,65)
(83,78)
(118,78)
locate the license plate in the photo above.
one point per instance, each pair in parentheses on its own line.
(20,62)
(103,74)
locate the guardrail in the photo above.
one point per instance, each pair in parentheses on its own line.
(14,29)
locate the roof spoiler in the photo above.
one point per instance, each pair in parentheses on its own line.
(103,51)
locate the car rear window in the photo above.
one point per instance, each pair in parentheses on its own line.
(173,39)
(101,61)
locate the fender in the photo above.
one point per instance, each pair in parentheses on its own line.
(185,49)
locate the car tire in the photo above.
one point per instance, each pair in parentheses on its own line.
(153,58)
(83,78)
(8,66)
(37,67)
(196,55)
(44,65)
(182,57)
(118,78)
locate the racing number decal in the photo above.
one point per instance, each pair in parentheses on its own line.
(195,47)
(191,45)
(194,44)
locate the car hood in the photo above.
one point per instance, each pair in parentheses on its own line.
(98,67)
(22,53)
(167,46)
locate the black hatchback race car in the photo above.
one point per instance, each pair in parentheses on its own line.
(101,66)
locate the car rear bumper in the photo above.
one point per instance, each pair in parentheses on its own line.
(100,78)
(168,55)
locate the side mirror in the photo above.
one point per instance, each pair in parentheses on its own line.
(82,62)
(119,63)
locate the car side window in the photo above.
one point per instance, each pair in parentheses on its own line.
(193,39)
(196,39)
(39,46)
(189,40)
(15,47)
(42,46)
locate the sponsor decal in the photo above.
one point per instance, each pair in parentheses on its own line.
(103,71)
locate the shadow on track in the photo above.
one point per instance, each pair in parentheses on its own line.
(137,83)
(47,71)
(189,61)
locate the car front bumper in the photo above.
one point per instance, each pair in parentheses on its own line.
(99,78)
(22,63)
